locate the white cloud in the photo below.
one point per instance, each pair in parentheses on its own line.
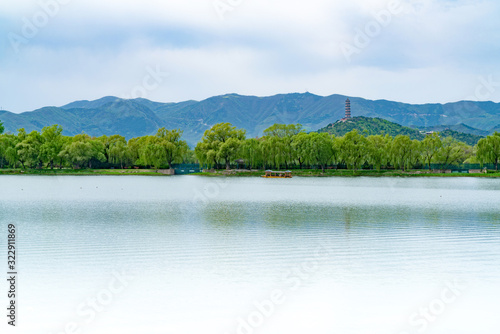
(433,51)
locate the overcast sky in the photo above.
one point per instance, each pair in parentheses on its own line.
(57,51)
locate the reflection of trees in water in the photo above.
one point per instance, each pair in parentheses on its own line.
(490,218)
(393,217)
(347,219)
(288,216)
(224,215)
(386,216)
(279,215)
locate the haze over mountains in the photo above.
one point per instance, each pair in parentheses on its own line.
(139,117)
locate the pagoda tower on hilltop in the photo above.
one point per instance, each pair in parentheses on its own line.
(347,109)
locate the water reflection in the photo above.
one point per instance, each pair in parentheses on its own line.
(201,264)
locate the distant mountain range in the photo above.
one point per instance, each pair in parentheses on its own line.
(138,117)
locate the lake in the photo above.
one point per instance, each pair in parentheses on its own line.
(192,254)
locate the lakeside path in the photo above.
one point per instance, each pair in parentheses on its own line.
(253,173)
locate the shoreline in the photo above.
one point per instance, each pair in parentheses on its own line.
(253,173)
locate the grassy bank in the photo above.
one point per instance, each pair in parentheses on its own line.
(350,173)
(79,172)
(254,173)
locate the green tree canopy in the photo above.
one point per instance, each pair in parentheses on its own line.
(400,151)
(353,149)
(219,143)
(430,147)
(377,150)
(300,145)
(283,130)
(251,151)
(283,145)
(488,149)
(82,149)
(173,145)
(281,137)
(52,144)
(28,149)
(152,152)
(8,152)
(451,152)
(322,149)
(109,142)
(119,153)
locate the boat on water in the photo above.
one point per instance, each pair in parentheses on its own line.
(277,174)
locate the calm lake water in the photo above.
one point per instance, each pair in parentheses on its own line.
(190,254)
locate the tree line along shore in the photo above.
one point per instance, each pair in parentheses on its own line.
(224,146)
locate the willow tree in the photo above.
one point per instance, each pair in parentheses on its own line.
(109,142)
(119,153)
(415,156)
(353,148)
(135,146)
(228,150)
(2,149)
(451,152)
(251,151)
(189,157)
(152,152)
(321,149)
(267,149)
(300,145)
(282,137)
(52,144)
(28,150)
(173,145)
(8,152)
(82,149)
(377,150)
(488,149)
(219,143)
(400,151)
(283,130)
(277,151)
(430,147)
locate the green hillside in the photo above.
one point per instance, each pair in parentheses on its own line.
(376,126)
(459,128)
(371,126)
(467,138)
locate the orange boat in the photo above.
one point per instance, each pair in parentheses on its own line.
(278,175)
